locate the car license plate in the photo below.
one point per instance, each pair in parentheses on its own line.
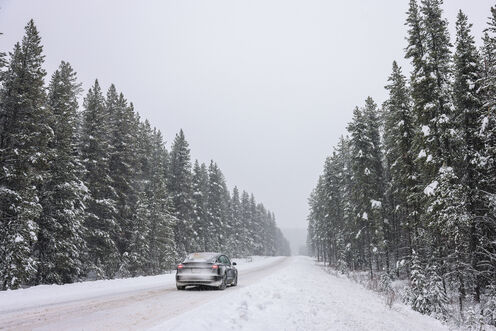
(195,271)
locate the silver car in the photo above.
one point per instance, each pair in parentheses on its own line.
(210,269)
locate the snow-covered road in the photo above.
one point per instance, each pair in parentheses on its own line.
(122,304)
(273,294)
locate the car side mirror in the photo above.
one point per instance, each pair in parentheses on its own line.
(234,263)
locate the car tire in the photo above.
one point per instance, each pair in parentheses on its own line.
(235,282)
(223,284)
(180,288)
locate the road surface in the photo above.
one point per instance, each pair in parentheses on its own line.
(129,310)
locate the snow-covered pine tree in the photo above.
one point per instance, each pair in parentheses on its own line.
(100,221)
(366,166)
(436,294)
(489,308)
(24,136)
(123,164)
(61,245)
(469,149)
(487,163)
(216,209)
(381,228)
(246,219)
(398,141)
(320,215)
(200,198)
(418,295)
(345,187)
(450,224)
(260,220)
(360,200)
(235,240)
(269,234)
(138,256)
(429,50)
(162,247)
(179,186)
(255,226)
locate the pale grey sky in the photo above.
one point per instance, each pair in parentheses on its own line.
(263,87)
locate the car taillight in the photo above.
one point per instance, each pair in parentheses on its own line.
(215,267)
(180,266)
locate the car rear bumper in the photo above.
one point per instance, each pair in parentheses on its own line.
(189,279)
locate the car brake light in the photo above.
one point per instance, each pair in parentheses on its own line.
(215,266)
(180,266)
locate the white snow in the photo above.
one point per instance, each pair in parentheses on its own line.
(485,122)
(426,130)
(365,216)
(421,154)
(301,296)
(375,204)
(429,189)
(443,118)
(18,239)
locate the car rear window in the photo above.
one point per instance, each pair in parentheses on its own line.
(201,257)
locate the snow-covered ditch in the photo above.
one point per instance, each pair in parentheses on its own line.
(41,295)
(301,296)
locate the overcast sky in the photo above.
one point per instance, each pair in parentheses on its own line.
(263,87)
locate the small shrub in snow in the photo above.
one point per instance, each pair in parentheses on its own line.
(489,308)
(436,294)
(474,320)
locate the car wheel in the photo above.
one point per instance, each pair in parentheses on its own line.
(235,281)
(223,284)
(180,288)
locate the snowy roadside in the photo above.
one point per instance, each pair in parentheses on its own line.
(301,296)
(42,295)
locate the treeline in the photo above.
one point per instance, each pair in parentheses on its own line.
(410,192)
(95,194)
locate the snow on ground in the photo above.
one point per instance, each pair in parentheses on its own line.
(301,296)
(41,295)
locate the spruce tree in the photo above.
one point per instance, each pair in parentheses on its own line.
(399,132)
(437,103)
(235,242)
(366,167)
(487,164)
(179,185)
(139,246)
(123,163)
(100,221)
(24,137)
(469,145)
(246,218)
(60,243)
(200,198)
(162,247)
(216,206)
